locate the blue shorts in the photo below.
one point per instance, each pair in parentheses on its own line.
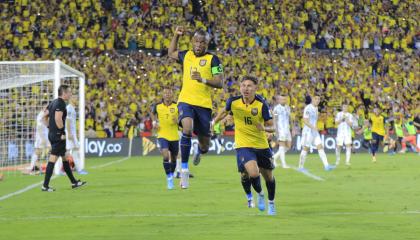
(262,156)
(172,146)
(201,118)
(377,138)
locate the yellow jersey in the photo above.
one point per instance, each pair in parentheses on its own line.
(194,92)
(246,117)
(378,124)
(167,116)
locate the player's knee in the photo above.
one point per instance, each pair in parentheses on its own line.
(187,131)
(254,174)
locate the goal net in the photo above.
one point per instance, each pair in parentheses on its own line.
(26,88)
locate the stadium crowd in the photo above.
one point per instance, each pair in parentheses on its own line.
(364,53)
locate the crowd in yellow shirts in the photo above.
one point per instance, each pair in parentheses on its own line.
(364,53)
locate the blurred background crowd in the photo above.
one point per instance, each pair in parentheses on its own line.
(364,53)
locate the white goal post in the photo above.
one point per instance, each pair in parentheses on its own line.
(25,86)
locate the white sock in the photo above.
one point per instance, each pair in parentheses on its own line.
(178,165)
(76,159)
(348,154)
(282,151)
(323,157)
(58,165)
(276,157)
(302,158)
(34,158)
(337,155)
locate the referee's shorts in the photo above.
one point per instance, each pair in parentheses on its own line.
(58,145)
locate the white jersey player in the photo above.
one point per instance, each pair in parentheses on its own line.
(72,143)
(310,135)
(345,121)
(282,121)
(42,144)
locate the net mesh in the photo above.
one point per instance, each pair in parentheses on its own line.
(25,90)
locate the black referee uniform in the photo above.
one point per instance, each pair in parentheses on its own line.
(56,136)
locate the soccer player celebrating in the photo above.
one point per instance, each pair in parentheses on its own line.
(202,71)
(165,121)
(41,139)
(57,114)
(310,134)
(344,120)
(72,144)
(281,114)
(252,119)
(378,131)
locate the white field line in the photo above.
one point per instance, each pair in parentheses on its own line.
(308,174)
(32,186)
(110,163)
(166,215)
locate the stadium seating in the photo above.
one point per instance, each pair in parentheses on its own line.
(360,52)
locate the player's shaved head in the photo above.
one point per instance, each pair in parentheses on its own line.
(200,42)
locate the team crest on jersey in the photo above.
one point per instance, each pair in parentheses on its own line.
(254,111)
(203,62)
(172,110)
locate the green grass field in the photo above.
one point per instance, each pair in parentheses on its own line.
(129,200)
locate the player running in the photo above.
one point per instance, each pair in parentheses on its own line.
(42,145)
(202,72)
(345,121)
(165,121)
(310,135)
(252,119)
(57,114)
(281,113)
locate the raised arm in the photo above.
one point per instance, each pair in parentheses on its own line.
(173,47)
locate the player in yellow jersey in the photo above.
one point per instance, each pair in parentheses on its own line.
(378,131)
(252,120)
(202,72)
(165,117)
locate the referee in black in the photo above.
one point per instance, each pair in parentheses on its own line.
(57,114)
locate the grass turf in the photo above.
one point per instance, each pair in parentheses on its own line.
(129,200)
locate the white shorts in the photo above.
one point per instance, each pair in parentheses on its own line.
(72,144)
(42,142)
(343,139)
(284,136)
(310,139)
